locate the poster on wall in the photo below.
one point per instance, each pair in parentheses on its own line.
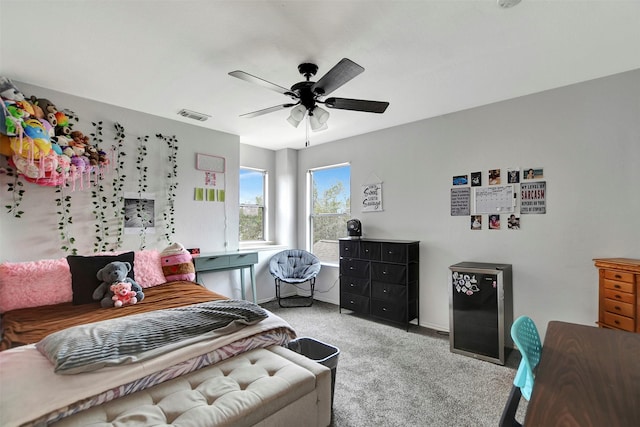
(372,197)
(533,197)
(460,201)
(139,213)
(213,190)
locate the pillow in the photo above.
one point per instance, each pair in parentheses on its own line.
(148,268)
(33,284)
(83,274)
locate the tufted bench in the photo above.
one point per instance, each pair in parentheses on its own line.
(262,387)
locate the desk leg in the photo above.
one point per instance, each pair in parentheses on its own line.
(253,284)
(242,282)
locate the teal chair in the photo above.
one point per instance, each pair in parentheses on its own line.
(525,336)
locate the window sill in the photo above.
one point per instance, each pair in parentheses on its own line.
(329,264)
(265,246)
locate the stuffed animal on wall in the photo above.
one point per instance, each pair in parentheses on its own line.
(9,91)
(177,263)
(114,272)
(48,108)
(122,294)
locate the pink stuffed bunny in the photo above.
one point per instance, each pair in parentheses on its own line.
(122,294)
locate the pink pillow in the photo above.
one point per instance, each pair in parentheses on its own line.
(34,283)
(148,269)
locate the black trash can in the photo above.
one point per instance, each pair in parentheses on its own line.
(320,352)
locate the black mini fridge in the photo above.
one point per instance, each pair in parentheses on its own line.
(481,310)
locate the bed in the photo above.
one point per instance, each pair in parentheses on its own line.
(185,355)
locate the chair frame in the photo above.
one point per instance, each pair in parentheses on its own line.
(312,283)
(508,418)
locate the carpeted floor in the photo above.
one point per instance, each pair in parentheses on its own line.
(389,377)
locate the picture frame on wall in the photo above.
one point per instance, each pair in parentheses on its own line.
(513,176)
(532,173)
(460,180)
(494,176)
(476,179)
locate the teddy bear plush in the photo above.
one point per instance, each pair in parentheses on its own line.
(122,294)
(114,272)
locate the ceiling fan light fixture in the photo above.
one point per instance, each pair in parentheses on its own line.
(318,119)
(297,114)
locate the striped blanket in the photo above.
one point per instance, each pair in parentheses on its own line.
(140,337)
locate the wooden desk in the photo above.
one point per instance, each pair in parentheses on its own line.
(221,261)
(587,376)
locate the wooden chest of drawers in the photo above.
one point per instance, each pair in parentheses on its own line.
(379,278)
(619,296)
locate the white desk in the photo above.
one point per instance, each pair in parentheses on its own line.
(221,261)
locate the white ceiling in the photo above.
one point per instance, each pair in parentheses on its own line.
(426,58)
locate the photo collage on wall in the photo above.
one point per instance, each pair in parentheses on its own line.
(509,194)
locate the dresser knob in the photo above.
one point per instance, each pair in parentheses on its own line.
(617,276)
(618,296)
(617,308)
(616,286)
(616,322)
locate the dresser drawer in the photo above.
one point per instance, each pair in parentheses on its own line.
(619,286)
(354,268)
(354,285)
(389,292)
(394,252)
(619,296)
(618,307)
(396,312)
(357,303)
(620,322)
(389,273)
(370,250)
(350,248)
(619,276)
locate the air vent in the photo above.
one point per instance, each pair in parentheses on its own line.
(201,117)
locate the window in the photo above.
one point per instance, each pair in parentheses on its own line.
(252,204)
(330,207)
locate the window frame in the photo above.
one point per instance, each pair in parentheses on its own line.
(310,207)
(265,186)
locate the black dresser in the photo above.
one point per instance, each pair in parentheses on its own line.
(380,278)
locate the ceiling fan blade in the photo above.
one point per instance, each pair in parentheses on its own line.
(266,110)
(341,73)
(356,105)
(257,80)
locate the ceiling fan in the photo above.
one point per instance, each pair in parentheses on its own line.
(306,95)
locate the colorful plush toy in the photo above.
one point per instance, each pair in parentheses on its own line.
(122,294)
(48,108)
(62,126)
(177,263)
(114,272)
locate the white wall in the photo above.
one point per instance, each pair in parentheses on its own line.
(587,139)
